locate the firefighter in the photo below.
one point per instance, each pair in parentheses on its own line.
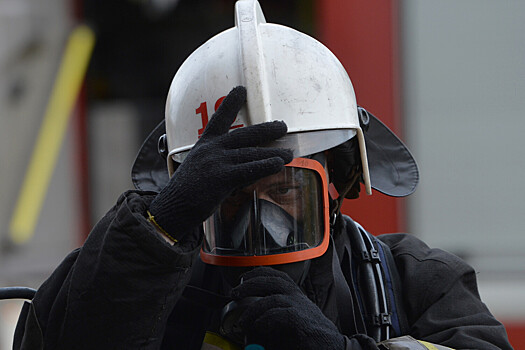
(234,234)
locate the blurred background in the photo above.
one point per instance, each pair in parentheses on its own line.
(82,83)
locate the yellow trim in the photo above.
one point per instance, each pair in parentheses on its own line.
(218,341)
(151,219)
(45,153)
(430,346)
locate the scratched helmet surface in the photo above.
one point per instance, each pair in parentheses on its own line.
(288,76)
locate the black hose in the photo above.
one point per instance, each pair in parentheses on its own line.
(17,293)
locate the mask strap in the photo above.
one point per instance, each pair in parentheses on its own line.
(338,202)
(320,157)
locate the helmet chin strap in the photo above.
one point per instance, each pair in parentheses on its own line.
(338,202)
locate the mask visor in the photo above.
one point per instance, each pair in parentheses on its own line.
(282,218)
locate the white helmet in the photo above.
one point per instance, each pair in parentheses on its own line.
(288,76)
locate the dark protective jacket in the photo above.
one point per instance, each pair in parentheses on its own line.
(126,288)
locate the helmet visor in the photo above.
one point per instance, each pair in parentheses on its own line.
(280,219)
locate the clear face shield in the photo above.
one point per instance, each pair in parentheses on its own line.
(281,219)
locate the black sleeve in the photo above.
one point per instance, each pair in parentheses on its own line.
(441,297)
(115,292)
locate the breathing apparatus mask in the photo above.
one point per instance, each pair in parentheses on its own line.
(280,219)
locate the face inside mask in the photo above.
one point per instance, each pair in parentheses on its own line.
(280,219)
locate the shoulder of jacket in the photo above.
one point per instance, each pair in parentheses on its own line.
(408,245)
(414,257)
(427,273)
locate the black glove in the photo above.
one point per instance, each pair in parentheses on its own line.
(283,318)
(220,162)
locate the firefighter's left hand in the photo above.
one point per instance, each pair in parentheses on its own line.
(283,318)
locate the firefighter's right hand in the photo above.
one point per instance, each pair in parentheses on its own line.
(220,162)
(282,316)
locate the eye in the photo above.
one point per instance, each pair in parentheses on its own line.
(284,193)
(283,190)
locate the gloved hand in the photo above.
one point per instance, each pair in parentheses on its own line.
(220,162)
(284,318)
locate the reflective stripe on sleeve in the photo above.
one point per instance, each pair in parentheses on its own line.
(213,341)
(408,343)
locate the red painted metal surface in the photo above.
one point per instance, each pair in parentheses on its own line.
(516,332)
(363,35)
(82,167)
(81,146)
